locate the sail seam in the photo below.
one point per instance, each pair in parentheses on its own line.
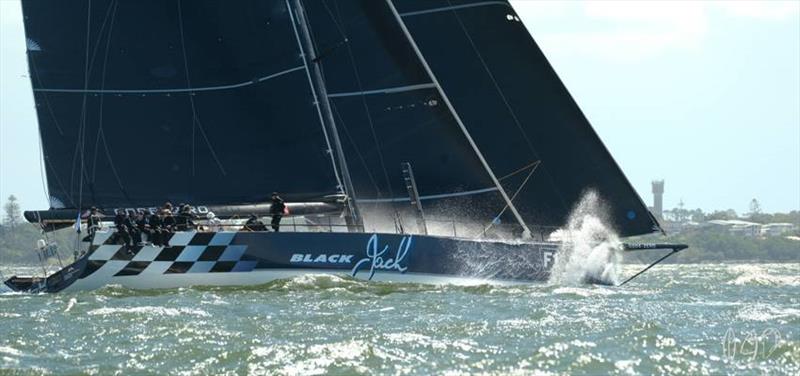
(182,90)
(388,90)
(454,7)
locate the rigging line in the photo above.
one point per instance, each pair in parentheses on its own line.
(82,131)
(58,181)
(316,99)
(46,99)
(514,196)
(457,118)
(42,170)
(358,152)
(367,112)
(100,131)
(113,168)
(335,21)
(100,36)
(173,91)
(503,97)
(319,79)
(494,82)
(517,171)
(453,7)
(196,124)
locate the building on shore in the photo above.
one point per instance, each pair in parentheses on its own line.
(745,228)
(777,229)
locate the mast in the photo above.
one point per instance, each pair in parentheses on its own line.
(526,231)
(312,64)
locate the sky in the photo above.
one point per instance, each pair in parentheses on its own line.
(705,95)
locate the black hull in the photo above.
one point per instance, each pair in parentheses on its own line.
(239,258)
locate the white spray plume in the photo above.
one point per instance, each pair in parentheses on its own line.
(590,251)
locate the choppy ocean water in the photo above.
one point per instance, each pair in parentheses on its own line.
(676,319)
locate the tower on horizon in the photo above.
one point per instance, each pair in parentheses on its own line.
(658,198)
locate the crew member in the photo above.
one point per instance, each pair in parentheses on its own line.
(168,222)
(277,209)
(253,224)
(183,221)
(92,224)
(143,226)
(122,223)
(156,230)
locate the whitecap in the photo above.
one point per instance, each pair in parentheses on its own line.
(10,351)
(764,312)
(148,310)
(760,275)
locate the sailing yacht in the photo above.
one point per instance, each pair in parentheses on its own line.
(420,141)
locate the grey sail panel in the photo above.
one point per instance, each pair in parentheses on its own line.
(519,112)
(194,101)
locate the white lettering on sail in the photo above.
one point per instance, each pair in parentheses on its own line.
(377,260)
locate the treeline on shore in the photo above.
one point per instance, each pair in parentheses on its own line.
(706,245)
(713,245)
(18,242)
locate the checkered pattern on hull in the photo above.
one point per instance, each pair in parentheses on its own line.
(188,252)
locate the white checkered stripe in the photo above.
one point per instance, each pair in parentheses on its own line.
(188,252)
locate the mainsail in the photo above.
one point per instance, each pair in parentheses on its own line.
(143,101)
(211,102)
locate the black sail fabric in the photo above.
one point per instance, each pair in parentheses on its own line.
(520,113)
(202,101)
(388,112)
(210,102)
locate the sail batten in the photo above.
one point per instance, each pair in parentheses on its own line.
(454,7)
(173,90)
(389,90)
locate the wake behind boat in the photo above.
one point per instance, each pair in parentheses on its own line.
(386,115)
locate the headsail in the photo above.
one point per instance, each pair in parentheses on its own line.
(523,119)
